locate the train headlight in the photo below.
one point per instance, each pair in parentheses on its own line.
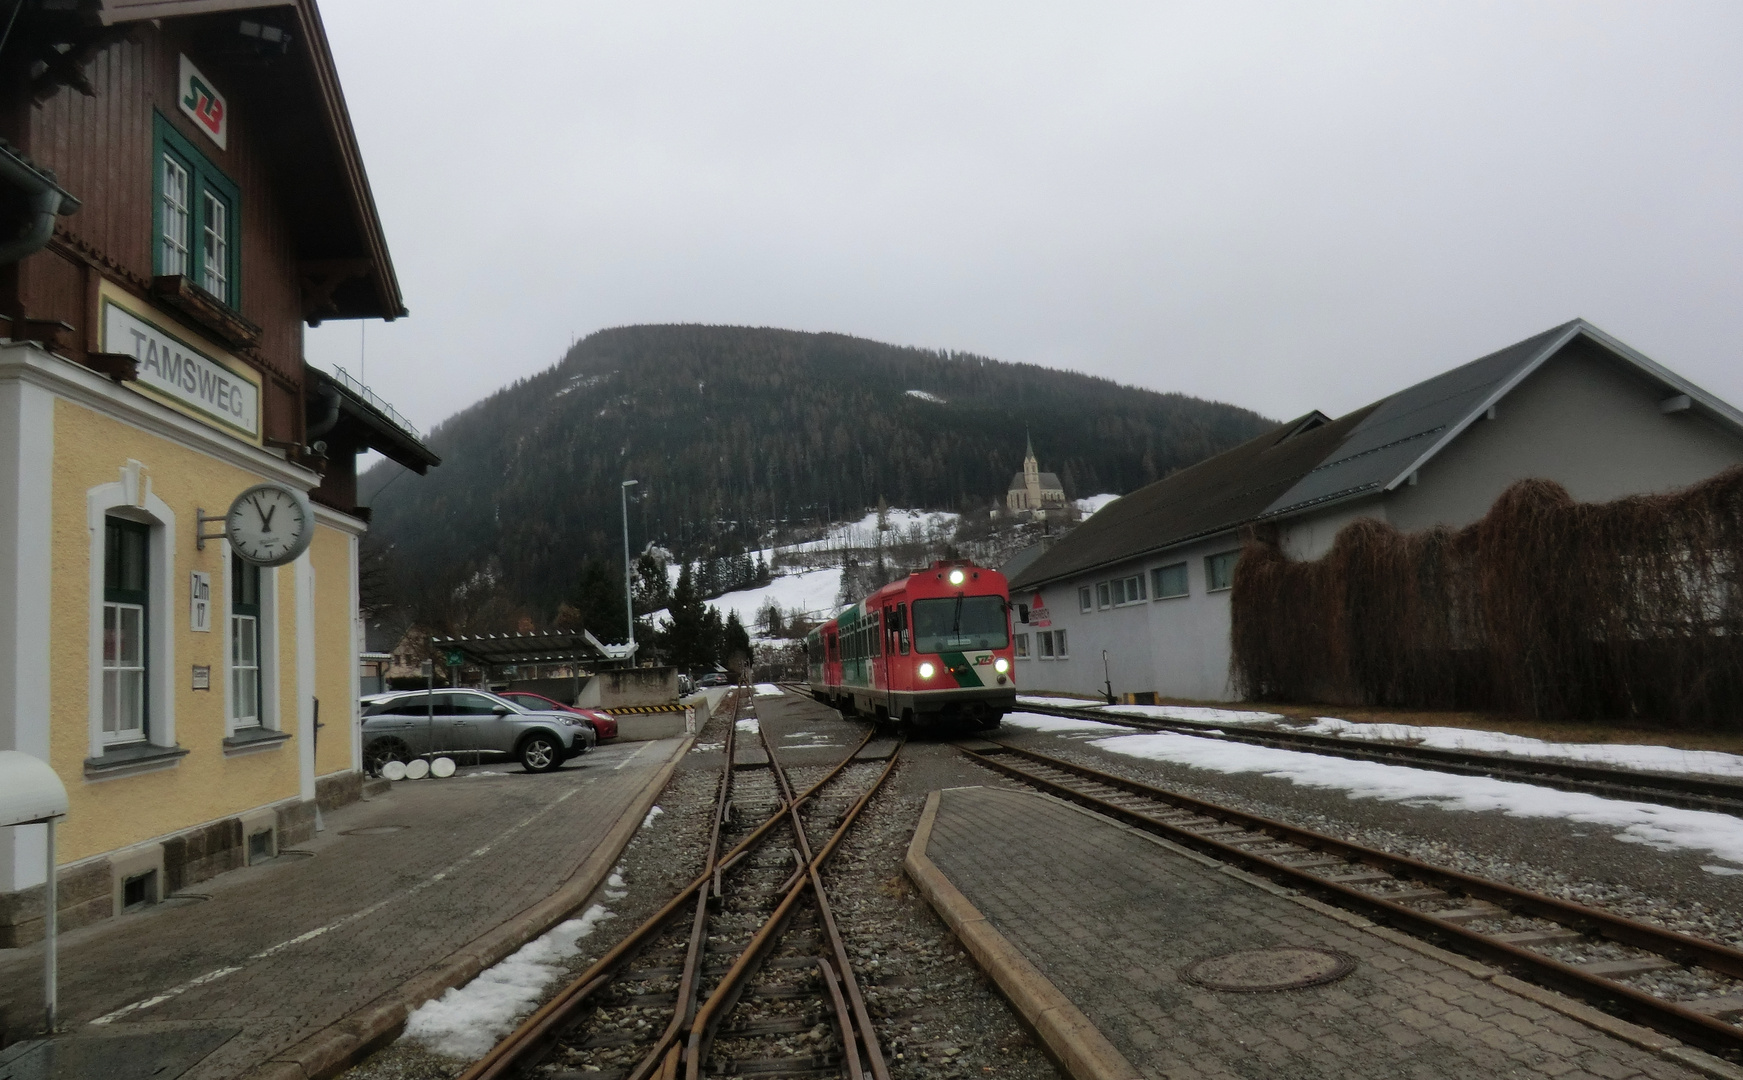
(956,577)
(1001,665)
(927,670)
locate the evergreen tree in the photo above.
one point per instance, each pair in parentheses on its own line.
(598,601)
(762,570)
(686,641)
(653,589)
(713,636)
(735,644)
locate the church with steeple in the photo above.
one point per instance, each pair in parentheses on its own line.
(1033,493)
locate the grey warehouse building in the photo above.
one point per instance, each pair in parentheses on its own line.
(1147,579)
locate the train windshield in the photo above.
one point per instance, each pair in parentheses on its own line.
(962,622)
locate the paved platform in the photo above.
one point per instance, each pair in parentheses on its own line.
(1110,918)
(286,964)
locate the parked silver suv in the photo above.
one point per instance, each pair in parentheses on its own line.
(462,722)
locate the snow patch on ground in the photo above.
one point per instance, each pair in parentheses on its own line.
(1193,712)
(468,1020)
(924,396)
(1088,506)
(1665,828)
(1058,702)
(1029,721)
(652,814)
(769,689)
(749,724)
(1668,759)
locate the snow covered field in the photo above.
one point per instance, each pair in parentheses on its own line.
(1193,712)
(1059,725)
(468,1020)
(1667,759)
(1665,828)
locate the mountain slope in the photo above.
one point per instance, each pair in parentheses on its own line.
(731,430)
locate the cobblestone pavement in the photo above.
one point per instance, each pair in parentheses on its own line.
(282,950)
(1112,919)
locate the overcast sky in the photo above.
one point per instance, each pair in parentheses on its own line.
(1286,207)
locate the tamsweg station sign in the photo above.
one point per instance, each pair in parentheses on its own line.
(182,373)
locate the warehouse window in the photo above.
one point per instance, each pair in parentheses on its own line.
(1219,571)
(1128,590)
(1044,645)
(126,610)
(1022,646)
(1102,596)
(199,214)
(1059,649)
(244,644)
(1083,601)
(1168,581)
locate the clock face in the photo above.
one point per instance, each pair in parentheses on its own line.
(270,525)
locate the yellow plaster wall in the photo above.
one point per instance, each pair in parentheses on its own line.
(90,449)
(330,554)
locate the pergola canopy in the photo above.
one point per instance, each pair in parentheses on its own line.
(549,647)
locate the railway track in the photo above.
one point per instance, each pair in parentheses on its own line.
(743,972)
(1681,985)
(1691,792)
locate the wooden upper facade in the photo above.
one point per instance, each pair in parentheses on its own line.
(243,233)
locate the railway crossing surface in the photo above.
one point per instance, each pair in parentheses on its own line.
(1183,963)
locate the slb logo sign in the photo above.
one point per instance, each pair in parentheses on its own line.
(204,105)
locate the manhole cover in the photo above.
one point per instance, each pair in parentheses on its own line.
(376,830)
(1256,970)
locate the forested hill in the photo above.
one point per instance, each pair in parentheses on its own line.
(731,429)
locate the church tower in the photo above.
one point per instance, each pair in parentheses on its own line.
(1031,473)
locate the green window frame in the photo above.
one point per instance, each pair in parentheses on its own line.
(1169,582)
(1219,571)
(126,631)
(196,232)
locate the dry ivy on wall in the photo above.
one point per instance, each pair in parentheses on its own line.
(1545,607)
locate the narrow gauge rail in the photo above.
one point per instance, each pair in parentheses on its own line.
(641,1011)
(1516,929)
(1690,792)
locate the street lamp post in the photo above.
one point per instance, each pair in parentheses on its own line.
(628,588)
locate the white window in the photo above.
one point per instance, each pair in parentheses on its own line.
(1059,649)
(214,245)
(1102,595)
(175,216)
(1168,581)
(123,672)
(1022,646)
(1083,600)
(126,600)
(1219,571)
(1044,645)
(245,695)
(1128,590)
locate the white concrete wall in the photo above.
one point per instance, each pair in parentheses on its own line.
(1177,647)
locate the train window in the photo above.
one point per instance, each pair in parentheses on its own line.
(902,628)
(962,622)
(876,635)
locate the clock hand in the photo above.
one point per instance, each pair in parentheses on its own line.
(266,518)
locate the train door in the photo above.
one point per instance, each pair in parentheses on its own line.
(880,650)
(831,658)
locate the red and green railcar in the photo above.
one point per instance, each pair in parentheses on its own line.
(932,648)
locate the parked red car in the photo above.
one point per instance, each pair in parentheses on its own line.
(604,724)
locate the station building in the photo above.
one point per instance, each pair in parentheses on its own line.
(187,193)
(1136,599)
